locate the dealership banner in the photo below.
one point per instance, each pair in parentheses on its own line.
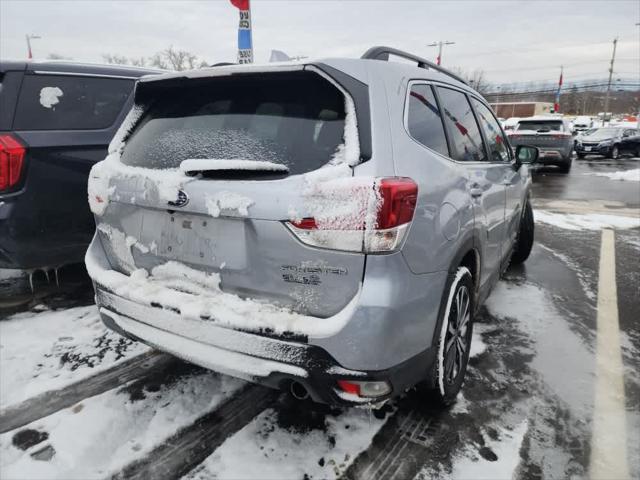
(245,44)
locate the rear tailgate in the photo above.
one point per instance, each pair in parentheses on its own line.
(257,148)
(546,134)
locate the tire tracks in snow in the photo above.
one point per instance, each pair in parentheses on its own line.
(50,402)
(191,445)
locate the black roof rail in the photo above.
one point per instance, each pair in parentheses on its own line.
(382,53)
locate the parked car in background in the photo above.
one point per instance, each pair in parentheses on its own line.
(582,123)
(336,245)
(551,134)
(56,119)
(611,142)
(510,123)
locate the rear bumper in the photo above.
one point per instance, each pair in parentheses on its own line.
(554,155)
(273,362)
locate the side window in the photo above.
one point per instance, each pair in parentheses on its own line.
(66,102)
(424,120)
(498,146)
(466,141)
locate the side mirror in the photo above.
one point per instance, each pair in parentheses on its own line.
(526,154)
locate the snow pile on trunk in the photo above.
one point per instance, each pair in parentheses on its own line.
(50,96)
(592,221)
(164,184)
(624,175)
(197,294)
(50,350)
(229,201)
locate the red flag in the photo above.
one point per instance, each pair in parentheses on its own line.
(240,4)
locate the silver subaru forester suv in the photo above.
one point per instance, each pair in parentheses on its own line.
(328,227)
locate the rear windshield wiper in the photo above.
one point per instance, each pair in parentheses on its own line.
(222,168)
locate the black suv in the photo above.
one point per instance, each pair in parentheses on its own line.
(56,121)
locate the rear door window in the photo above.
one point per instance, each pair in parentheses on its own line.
(66,102)
(464,133)
(296,119)
(497,143)
(424,119)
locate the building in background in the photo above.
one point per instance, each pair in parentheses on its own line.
(522,109)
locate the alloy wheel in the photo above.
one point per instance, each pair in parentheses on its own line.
(456,342)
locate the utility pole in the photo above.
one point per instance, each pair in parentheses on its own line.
(439,44)
(606,98)
(29,38)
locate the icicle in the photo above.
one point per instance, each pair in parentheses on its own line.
(31,280)
(46,273)
(55,271)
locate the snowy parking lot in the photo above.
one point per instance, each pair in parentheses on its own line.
(78,401)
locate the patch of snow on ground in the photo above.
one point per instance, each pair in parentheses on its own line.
(507,449)
(593,221)
(50,350)
(624,175)
(478,347)
(264,450)
(100,435)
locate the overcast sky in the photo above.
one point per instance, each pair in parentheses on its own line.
(512,41)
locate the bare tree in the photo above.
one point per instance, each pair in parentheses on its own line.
(115,59)
(476,79)
(168,59)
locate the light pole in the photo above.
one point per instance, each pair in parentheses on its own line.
(606,98)
(29,38)
(439,44)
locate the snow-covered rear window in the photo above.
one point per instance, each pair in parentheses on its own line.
(67,102)
(296,119)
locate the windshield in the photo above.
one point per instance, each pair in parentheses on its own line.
(296,120)
(603,133)
(541,125)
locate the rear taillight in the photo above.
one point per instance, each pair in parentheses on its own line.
(378,228)
(12,155)
(366,389)
(561,135)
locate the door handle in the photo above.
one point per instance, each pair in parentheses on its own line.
(476,192)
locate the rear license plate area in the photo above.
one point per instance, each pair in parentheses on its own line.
(200,239)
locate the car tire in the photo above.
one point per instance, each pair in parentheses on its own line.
(447,373)
(524,241)
(614,153)
(565,167)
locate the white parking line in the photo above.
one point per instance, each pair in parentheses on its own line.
(609,440)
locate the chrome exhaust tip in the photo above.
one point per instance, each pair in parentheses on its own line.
(298,391)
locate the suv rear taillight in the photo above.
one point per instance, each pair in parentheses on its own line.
(12,155)
(380,230)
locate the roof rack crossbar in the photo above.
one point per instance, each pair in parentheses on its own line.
(382,53)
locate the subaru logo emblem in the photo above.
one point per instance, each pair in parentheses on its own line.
(181,201)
